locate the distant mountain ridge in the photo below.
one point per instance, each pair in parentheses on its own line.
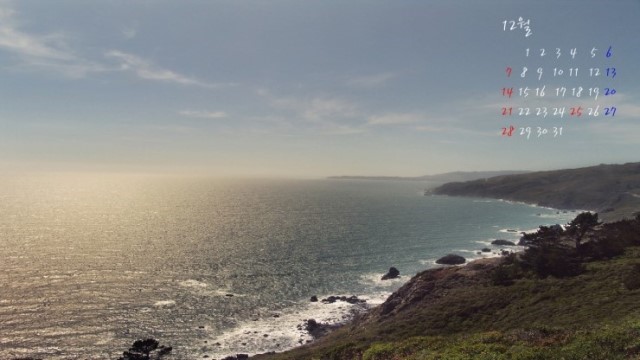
(613,190)
(445,177)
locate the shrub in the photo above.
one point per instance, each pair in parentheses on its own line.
(632,279)
(554,261)
(504,275)
(379,351)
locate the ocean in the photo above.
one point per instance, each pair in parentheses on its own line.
(213,267)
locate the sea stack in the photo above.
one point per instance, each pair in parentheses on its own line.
(392,274)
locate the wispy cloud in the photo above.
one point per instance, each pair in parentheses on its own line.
(203,114)
(129,32)
(321,115)
(429,128)
(145,69)
(371,81)
(616,132)
(53,52)
(316,108)
(395,119)
(49,52)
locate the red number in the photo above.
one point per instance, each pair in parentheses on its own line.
(508,131)
(507,92)
(509,70)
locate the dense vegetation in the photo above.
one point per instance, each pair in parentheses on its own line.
(573,294)
(612,190)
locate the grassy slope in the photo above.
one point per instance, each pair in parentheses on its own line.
(608,189)
(589,316)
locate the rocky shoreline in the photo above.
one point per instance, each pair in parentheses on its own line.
(457,275)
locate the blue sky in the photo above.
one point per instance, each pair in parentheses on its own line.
(306,88)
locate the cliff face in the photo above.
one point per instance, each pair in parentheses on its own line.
(432,285)
(612,190)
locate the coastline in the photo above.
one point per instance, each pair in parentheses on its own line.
(356,312)
(477,262)
(473,270)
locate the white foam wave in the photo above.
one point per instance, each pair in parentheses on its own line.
(164,303)
(375,279)
(193,283)
(484,242)
(467,251)
(510,231)
(283,330)
(203,289)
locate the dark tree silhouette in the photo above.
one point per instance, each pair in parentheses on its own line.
(582,225)
(548,255)
(142,349)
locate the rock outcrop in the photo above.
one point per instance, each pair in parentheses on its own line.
(393,273)
(502,242)
(451,259)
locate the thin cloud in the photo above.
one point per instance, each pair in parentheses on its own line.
(46,52)
(52,52)
(203,114)
(427,128)
(129,32)
(616,132)
(395,119)
(21,43)
(145,69)
(316,109)
(371,81)
(320,115)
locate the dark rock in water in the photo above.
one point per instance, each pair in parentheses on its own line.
(312,325)
(351,300)
(317,329)
(486,250)
(354,300)
(503,242)
(392,274)
(505,252)
(237,357)
(330,300)
(314,298)
(276,315)
(451,259)
(479,253)
(229,295)
(512,230)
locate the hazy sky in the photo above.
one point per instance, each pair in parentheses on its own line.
(308,88)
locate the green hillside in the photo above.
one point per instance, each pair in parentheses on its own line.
(611,190)
(554,301)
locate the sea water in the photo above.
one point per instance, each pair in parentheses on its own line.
(91,263)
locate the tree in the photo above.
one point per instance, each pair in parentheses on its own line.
(547,255)
(581,225)
(142,349)
(546,235)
